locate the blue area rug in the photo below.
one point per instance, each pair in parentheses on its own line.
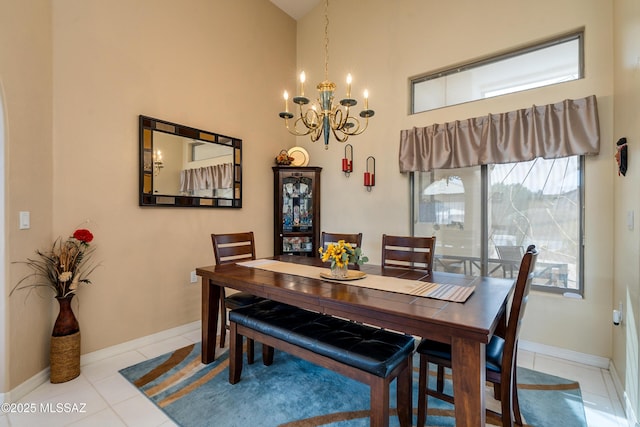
(295,393)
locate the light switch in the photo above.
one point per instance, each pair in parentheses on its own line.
(630,220)
(25,220)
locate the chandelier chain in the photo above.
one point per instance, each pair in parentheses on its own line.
(326,40)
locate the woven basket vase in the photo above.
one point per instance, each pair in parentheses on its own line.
(64,355)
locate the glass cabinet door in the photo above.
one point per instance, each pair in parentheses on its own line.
(297,203)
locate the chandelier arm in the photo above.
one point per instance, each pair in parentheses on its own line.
(311,119)
(358,130)
(339,118)
(337,136)
(293,129)
(316,134)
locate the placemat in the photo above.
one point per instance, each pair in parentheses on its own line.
(446,292)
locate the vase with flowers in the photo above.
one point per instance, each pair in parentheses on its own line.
(341,254)
(284,159)
(62,269)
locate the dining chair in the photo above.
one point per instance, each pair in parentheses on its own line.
(228,249)
(408,252)
(511,256)
(355,239)
(501,355)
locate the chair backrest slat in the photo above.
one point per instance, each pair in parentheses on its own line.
(408,252)
(355,239)
(234,247)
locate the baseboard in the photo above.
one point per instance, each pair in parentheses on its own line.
(114,350)
(28,386)
(627,407)
(43,376)
(632,420)
(561,353)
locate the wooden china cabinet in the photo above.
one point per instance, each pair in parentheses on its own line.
(296,213)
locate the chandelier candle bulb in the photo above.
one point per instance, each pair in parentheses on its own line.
(348,85)
(366,99)
(286,102)
(302,79)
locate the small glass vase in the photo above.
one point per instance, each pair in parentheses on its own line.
(339,272)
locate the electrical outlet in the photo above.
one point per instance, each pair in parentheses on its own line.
(194,277)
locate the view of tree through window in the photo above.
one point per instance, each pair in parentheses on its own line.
(536,202)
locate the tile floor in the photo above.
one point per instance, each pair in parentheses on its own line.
(111,401)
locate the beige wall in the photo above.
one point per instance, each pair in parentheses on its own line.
(384,43)
(77,73)
(25,85)
(627,249)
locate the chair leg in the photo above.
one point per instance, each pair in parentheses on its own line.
(423,381)
(440,379)
(267,355)
(497,391)
(506,390)
(235,356)
(250,351)
(404,393)
(223,318)
(516,404)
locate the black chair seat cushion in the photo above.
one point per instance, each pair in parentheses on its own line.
(443,351)
(241,299)
(370,349)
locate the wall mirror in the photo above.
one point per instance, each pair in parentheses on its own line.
(186,167)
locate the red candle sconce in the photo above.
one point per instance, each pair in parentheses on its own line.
(347,160)
(370,173)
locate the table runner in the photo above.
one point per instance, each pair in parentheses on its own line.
(439,291)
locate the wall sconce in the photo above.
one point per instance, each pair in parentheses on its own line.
(347,160)
(370,174)
(157,162)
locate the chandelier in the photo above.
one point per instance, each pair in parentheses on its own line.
(325,117)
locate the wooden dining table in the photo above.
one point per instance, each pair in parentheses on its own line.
(467,326)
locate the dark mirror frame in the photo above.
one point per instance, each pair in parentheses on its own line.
(147,127)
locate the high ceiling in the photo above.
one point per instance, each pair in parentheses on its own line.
(296,8)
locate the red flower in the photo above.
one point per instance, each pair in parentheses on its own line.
(83,235)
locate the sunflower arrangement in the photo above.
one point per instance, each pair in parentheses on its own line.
(63,267)
(342,254)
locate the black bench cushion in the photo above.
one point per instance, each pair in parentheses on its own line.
(493,351)
(241,299)
(370,349)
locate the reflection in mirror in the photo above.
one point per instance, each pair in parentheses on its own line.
(183,166)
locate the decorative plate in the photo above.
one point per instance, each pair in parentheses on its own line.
(351,275)
(300,156)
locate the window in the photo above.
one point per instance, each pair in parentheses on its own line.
(508,207)
(554,61)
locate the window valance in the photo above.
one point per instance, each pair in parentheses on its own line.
(550,131)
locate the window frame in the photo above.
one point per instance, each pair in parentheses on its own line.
(492,59)
(484,227)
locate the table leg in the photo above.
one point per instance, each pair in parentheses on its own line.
(210,301)
(468,361)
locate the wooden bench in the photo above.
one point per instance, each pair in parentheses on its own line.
(370,355)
